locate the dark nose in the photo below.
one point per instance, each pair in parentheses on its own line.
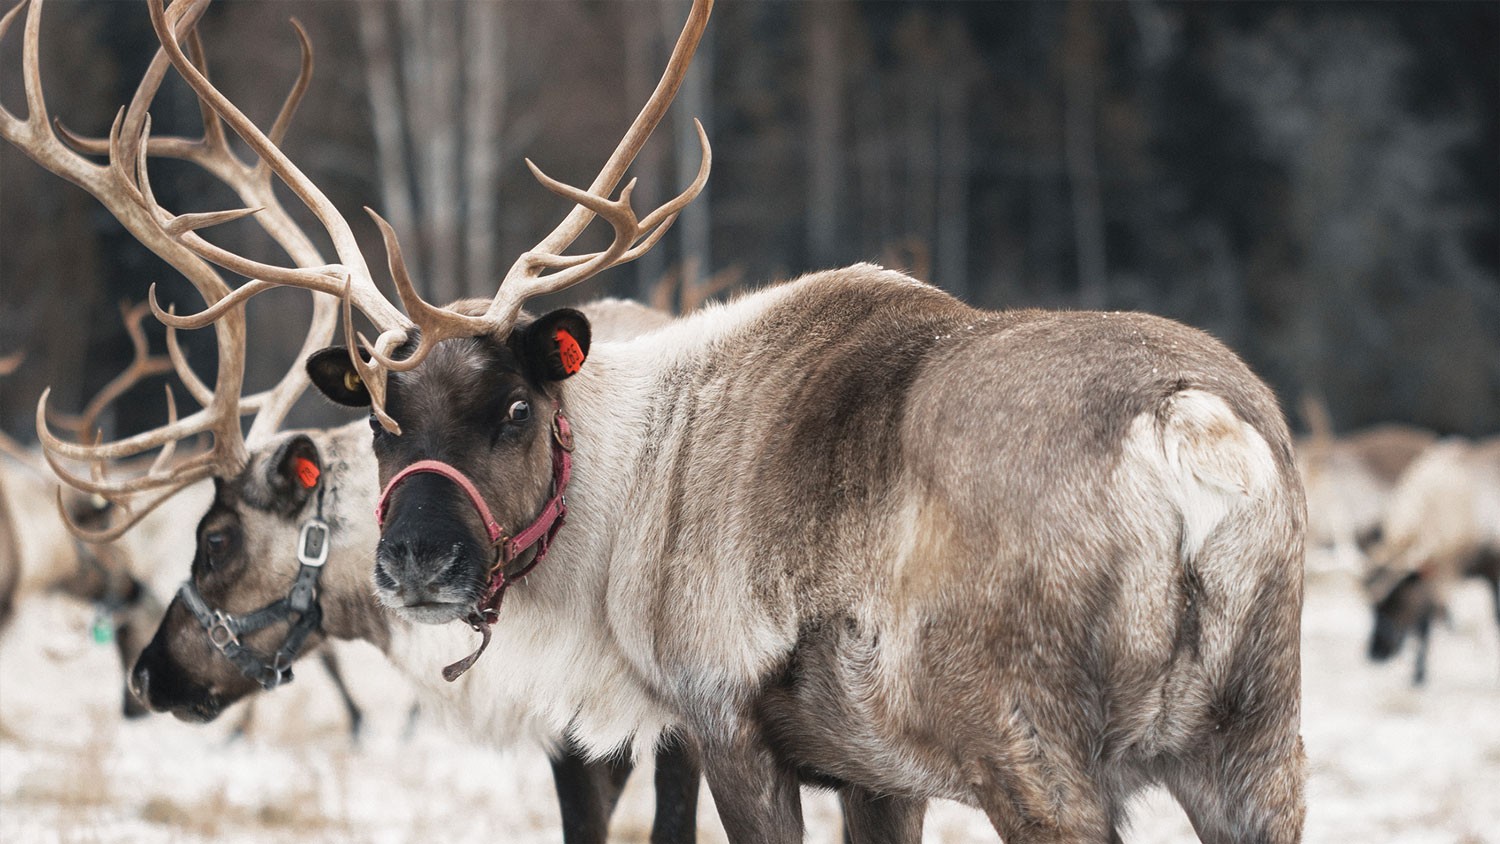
(417,570)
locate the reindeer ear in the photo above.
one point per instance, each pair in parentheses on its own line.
(555,346)
(335,376)
(293,472)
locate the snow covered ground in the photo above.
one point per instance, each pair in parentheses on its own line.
(1387,763)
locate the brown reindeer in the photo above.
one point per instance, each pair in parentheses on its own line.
(263,490)
(1442,526)
(846,530)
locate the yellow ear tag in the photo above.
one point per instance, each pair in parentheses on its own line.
(351,381)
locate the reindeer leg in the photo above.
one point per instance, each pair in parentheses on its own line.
(758,797)
(1423,629)
(678,774)
(356,716)
(586,793)
(1495,592)
(881,819)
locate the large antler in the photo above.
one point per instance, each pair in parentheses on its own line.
(122,186)
(542,269)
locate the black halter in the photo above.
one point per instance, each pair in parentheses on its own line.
(224,630)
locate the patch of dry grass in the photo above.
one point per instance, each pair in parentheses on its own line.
(214,814)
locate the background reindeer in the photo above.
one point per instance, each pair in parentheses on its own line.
(1442,526)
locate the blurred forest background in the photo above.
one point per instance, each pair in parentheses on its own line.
(1318,184)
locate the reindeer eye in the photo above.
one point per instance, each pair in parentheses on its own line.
(216,543)
(520,411)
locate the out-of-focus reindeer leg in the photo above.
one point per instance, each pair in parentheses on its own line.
(1424,629)
(356,717)
(1494,580)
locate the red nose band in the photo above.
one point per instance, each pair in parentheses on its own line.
(438,467)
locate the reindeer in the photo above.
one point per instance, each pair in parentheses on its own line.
(845,530)
(261,478)
(1442,526)
(248,558)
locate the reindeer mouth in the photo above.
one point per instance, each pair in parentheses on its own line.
(427,585)
(427,612)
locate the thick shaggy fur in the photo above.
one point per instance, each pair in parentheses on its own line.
(850,530)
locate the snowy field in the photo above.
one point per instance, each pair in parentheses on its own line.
(1387,763)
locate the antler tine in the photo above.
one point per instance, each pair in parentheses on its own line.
(525,278)
(11,362)
(635,137)
(195,386)
(694,292)
(203,421)
(136,508)
(633,238)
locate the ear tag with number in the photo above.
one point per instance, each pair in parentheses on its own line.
(568,351)
(307,472)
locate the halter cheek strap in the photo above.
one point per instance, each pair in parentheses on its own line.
(300,607)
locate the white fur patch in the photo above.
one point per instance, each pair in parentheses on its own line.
(1211,460)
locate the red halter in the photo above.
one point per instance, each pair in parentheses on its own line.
(539,533)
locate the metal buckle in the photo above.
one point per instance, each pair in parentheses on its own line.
(221,622)
(312,544)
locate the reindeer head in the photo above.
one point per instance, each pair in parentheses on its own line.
(1402,603)
(239,622)
(482,410)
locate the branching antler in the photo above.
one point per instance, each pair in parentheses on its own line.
(122,186)
(543,269)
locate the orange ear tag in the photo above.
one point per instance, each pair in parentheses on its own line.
(568,351)
(307,472)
